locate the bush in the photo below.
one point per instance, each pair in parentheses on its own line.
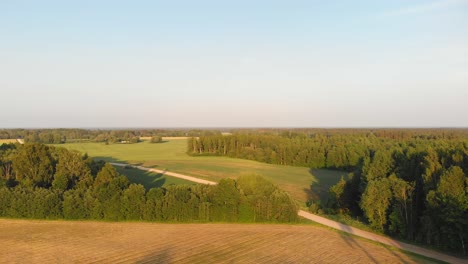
(156,139)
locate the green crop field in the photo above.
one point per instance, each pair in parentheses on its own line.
(150,179)
(302,183)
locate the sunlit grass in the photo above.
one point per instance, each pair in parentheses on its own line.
(171,155)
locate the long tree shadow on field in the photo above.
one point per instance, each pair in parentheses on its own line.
(348,238)
(323,180)
(114,160)
(147,179)
(162,256)
(351,241)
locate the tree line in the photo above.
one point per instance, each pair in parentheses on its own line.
(417,192)
(409,185)
(60,136)
(44,182)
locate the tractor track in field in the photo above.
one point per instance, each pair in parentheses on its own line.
(329,223)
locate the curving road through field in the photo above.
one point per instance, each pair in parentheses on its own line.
(164,172)
(329,223)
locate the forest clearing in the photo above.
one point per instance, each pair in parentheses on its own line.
(172,157)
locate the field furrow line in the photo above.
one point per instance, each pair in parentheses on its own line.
(233,249)
(283,244)
(137,252)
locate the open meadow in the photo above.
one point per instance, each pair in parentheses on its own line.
(34,241)
(302,183)
(150,179)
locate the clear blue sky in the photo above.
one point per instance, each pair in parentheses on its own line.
(234,63)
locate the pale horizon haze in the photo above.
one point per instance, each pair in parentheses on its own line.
(401,63)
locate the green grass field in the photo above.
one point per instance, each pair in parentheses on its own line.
(150,179)
(302,183)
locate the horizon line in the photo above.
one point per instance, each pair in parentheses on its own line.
(239,127)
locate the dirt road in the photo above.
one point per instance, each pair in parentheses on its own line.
(333,224)
(381,239)
(173,174)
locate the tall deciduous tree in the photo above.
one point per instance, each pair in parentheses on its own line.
(448,206)
(133,202)
(70,166)
(34,165)
(375,202)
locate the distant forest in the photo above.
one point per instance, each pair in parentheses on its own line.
(411,184)
(60,136)
(44,182)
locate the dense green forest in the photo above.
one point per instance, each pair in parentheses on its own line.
(44,182)
(411,184)
(58,136)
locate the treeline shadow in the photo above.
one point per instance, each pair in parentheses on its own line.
(350,240)
(318,190)
(112,159)
(162,256)
(147,179)
(148,141)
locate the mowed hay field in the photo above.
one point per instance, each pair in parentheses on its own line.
(31,241)
(171,155)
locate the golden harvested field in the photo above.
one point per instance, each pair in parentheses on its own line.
(34,241)
(6,141)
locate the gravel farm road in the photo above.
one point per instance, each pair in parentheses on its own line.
(173,174)
(330,223)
